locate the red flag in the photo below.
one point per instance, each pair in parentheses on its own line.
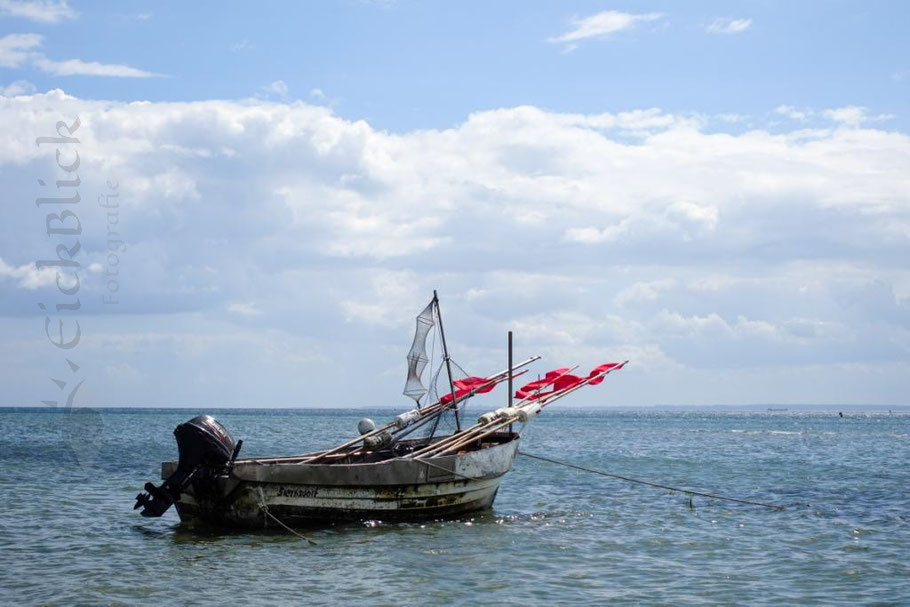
(561,381)
(477,385)
(602,369)
(531,391)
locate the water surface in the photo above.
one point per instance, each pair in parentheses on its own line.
(68,533)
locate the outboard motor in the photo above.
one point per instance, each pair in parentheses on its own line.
(201,442)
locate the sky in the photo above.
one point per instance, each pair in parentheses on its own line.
(268,195)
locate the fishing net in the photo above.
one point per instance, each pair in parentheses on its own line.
(447,421)
(417,356)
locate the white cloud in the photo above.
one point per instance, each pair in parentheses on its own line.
(19,87)
(16,49)
(679,243)
(46,11)
(388,300)
(731,118)
(28,276)
(727,25)
(794,113)
(697,215)
(244,309)
(674,323)
(317,94)
(77,67)
(278,87)
(853,115)
(644,292)
(591,235)
(603,24)
(19,50)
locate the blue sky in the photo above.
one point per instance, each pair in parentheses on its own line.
(405,65)
(719,192)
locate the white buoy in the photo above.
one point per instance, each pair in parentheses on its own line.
(365,425)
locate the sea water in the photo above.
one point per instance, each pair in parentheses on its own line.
(68,533)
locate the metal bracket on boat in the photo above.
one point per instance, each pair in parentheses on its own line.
(230,464)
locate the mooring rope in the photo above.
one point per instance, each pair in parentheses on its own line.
(657,485)
(265,510)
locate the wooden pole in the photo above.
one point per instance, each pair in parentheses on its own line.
(426,413)
(510,368)
(554,397)
(510,377)
(445,444)
(480,431)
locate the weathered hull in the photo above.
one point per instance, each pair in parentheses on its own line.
(305,494)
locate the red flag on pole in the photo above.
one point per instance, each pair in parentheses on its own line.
(561,380)
(477,385)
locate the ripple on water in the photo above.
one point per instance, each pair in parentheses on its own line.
(68,534)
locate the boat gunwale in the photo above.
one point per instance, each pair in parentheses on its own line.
(476,464)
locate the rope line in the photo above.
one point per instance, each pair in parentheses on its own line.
(265,510)
(659,486)
(458,366)
(470,478)
(432,362)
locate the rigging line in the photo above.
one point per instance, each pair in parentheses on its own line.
(432,358)
(434,387)
(463,404)
(667,487)
(466,374)
(439,413)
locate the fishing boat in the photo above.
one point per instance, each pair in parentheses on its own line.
(411,468)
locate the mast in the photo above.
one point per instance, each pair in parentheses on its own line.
(510,376)
(510,368)
(445,354)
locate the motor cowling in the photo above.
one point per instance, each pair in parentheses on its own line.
(202,442)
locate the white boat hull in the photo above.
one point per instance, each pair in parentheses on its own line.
(297,493)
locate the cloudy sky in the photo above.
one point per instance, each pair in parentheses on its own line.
(719,192)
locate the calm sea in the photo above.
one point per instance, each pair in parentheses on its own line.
(68,533)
